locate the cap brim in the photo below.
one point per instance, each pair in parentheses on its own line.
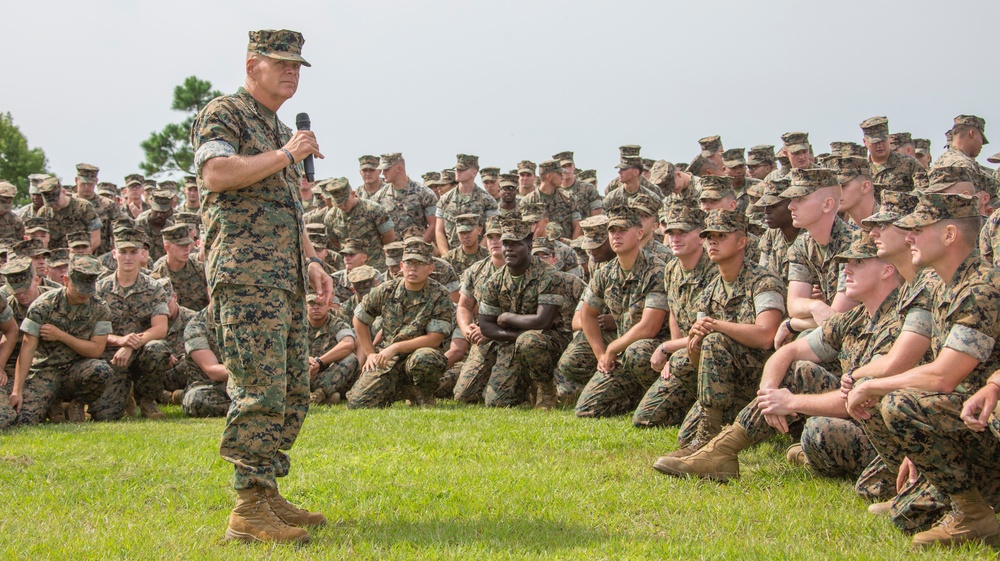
(128,244)
(369,166)
(682,226)
(287,56)
(872,138)
(462,229)
(591,243)
(880,218)
(416,257)
(160,208)
(704,233)
(793,192)
(85,288)
(911,221)
(382,167)
(792,148)
(850,255)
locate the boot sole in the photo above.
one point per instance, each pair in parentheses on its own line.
(717,477)
(233,535)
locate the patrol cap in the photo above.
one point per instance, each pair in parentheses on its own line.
(431,177)
(190,181)
(760,154)
(662,174)
(466,161)
(19,273)
(466,222)
(843,149)
(875,129)
(893,206)
(805,181)
(134,177)
(935,207)
(588,175)
(773,188)
(447,177)
(850,167)
(279,44)
(388,160)
(629,150)
(923,146)
(549,166)
(734,157)
(564,158)
(311,296)
(822,159)
(361,274)
(169,185)
(710,145)
(35,224)
(34,180)
(493,225)
(628,162)
(162,200)
(50,186)
(368,161)
(107,188)
(720,220)
(78,239)
(595,231)
(943,177)
(862,247)
(30,248)
(623,217)
(994,159)
(553,231)
(526,166)
(684,217)
(189,218)
(795,142)
(417,249)
(7,190)
(59,257)
(83,271)
(316,233)
(515,230)
(489,174)
(178,234)
(974,122)
(949,137)
(715,187)
(533,212)
(543,245)
(351,246)
(898,139)
(393,253)
(129,237)
(508,180)
(645,203)
(339,189)
(87,173)
(130,183)
(756,189)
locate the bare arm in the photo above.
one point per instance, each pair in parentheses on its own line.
(236,172)
(543,318)
(10,334)
(209,364)
(648,326)
(756,335)
(389,237)
(905,353)
(488,325)
(339,351)
(440,238)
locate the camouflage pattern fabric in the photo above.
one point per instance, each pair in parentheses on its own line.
(989,239)
(559,208)
(85,321)
(455,203)
(342,286)
(82,380)
(619,196)
(154,235)
(109,213)
(341,375)
(585,196)
(143,376)
(366,222)
(409,206)
(460,260)
(810,263)
(11,227)
(77,216)
(203,396)
(445,275)
(176,377)
(773,249)
(189,283)
(898,169)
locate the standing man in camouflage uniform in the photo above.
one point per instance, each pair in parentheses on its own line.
(887,165)
(67,214)
(153,221)
(371,180)
(360,219)
(107,211)
(186,276)
(11,227)
(468,198)
(258,259)
(760,161)
(408,202)
(527,181)
(589,202)
(133,204)
(558,205)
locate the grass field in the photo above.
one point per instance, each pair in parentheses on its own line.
(446,483)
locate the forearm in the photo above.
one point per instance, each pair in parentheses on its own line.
(440,238)
(592,331)
(830,404)
(339,351)
(465,315)
(800,307)
(154,333)
(749,335)
(236,172)
(429,340)
(429,232)
(905,354)
(489,328)
(673,345)
(363,341)
(926,377)
(28,346)
(526,322)
(777,366)
(10,334)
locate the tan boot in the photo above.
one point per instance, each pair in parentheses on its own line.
(149,410)
(130,404)
(56,414)
(291,514)
(972,520)
(709,425)
(177,397)
(718,460)
(878,509)
(545,396)
(796,455)
(333,399)
(424,398)
(317,397)
(74,413)
(253,521)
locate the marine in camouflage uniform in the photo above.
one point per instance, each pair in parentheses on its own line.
(158,218)
(458,201)
(409,205)
(898,169)
(630,295)
(559,207)
(188,280)
(176,377)
(620,195)
(335,374)
(774,244)
(341,284)
(74,214)
(51,371)
(566,260)
(459,258)
(11,227)
(589,202)
(21,278)
(106,209)
(417,314)
(359,219)
(203,397)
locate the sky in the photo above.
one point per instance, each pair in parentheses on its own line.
(508,80)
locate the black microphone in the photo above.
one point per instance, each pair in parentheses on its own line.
(302,123)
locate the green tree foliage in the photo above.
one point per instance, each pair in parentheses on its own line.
(17,161)
(170,149)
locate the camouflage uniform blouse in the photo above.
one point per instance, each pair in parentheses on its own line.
(132,308)
(409,206)
(189,283)
(538,285)
(90,319)
(455,203)
(627,293)
(11,227)
(460,260)
(773,249)
(366,222)
(754,291)
(855,339)
(406,315)
(811,263)
(326,336)
(560,208)
(586,197)
(684,289)
(199,336)
(77,216)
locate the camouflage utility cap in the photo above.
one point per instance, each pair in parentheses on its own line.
(352,246)
(87,173)
(446,177)
(416,249)
(19,273)
(805,181)
(844,149)
(595,231)
(724,221)
(542,245)
(898,139)
(7,190)
(78,239)
(623,217)
(850,167)
(36,224)
(629,162)
(493,225)
(466,222)
(317,233)
(279,44)
(30,248)
(393,253)
(368,161)
(189,218)
(361,274)
(588,175)
(526,166)
(533,212)
(935,207)
(50,186)
(645,203)
(466,161)
(515,230)
(431,177)
(923,146)
(710,145)
(549,166)
(508,180)
(795,141)
(629,150)
(162,200)
(389,160)
(893,206)
(489,174)
(339,189)
(59,257)
(178,234)
(760,154)
(943,177)
(875,129)
(715,187)
(862,247)
(83,271)
(974,122)
(685,218)
(129,237)
(994,159)
(734,157)
(564,158)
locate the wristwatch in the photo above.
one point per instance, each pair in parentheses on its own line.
(310,260)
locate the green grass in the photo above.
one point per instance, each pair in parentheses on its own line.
(448,483)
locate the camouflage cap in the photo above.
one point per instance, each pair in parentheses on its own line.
(7,190)
(50,186)
(994,159)
(629,162)
(549,166)
(662,174)
(756,190)
(875,129)
(30,248)
(715,187)
(317,190)
(130,183)
(795,142)
(466,161)
(898,139)
(83,271)
(734,157)
(37,178)
(850,167)
(466,222)
(773,188)
(949,137)
(533,212)
(893,206)
(760,154)
(279,44)
(79,238)
(563,158)
(169,185)
(368,161)
(149,184)
(190,181)
(935,207)
(19,273)
(446,177)
(87,173)
(508,180)
(805,181)
(645,203)
(134,177)
(417,249)
(515,230)
(623,217)
(489,174)
(178,234)
(923,146)
(595,231)
(629,150)
(393,253)
(710,145)
(352,246)
(361,274)
(129,237)
(843,149)
(493,225)
(862,247)
(553,230)
(823,159)
(316,232)
(386,161)
(189,218)
(36,224)
(943,177)
(162,200)
(526,166)
(339,188)
(974,122)
(543,245)
(59,257)
(684,217)
(719,220)
(107,188)
(431,177)
(588,175)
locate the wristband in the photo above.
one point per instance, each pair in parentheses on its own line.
(311,260)
(788,326)
(291,159)
(322,365)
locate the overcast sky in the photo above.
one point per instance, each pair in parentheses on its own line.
(508,80)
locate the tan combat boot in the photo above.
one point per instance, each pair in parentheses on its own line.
(317,397)
(718,460)
(253,520)
(56,414)
(796,455)
(971,520)
(130,403)
(709,425)
(149,410)
(333,399)
(291,514)
(74,413)
(878,509)
(545,396)
(177,397)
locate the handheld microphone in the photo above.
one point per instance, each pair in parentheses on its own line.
(302,123)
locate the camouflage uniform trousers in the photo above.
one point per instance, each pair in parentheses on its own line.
(8,415)
(951,459)
(175,377)
(379,388)
(84,380)
(476,371)
(145,372)
(577,364)
(339,377)
(264,344)
(530,358)
(206,401)
(619,391)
